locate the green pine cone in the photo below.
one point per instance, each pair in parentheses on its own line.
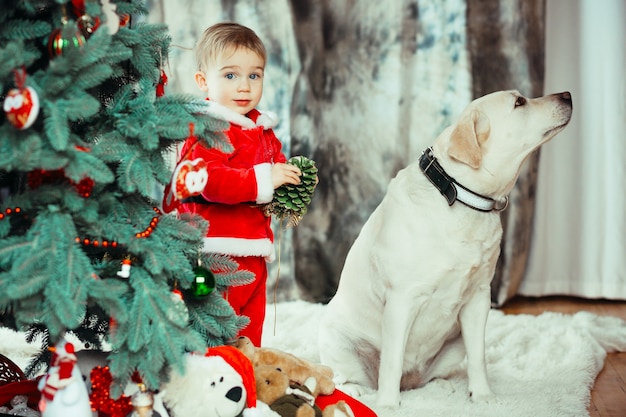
(291,201)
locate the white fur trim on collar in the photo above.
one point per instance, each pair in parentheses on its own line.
(266,119)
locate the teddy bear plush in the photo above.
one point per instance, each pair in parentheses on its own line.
(291,399)
(299,370)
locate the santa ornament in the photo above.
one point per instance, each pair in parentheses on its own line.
(21,104)
(63,391)
(143,403)
(188,179)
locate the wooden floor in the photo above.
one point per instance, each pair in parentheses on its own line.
(608,397)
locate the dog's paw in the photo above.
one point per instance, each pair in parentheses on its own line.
(483,396)
(388,401)
(443,384)
(355,390)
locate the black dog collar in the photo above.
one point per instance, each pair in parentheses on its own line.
(451,189)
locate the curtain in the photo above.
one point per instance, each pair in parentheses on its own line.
(506,42)
(362,87)
(579,242)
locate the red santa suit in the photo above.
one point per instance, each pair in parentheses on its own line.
(239,181)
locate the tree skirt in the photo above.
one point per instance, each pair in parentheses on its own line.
(537,365)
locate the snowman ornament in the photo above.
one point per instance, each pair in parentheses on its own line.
(63,392)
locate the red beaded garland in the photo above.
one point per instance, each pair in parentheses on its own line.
(8,211)
(148,231)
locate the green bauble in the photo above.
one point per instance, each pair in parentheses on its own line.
(203,284)
(291,201)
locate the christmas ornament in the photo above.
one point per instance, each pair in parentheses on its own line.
(160,89)
(124,272)
(63,392)
(100,397)
(67,37)
(87,24)
(124,19)
(291,201)
(188,179)
(143,402)
(21,104)
(179,312)
(41,177)
(203,284)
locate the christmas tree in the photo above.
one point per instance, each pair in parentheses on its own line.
(84,149)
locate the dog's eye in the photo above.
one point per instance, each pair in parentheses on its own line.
(520,101)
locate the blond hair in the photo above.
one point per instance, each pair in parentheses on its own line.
(224,37)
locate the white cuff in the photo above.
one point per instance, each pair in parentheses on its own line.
(265,188)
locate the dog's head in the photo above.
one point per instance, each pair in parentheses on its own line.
(495,134)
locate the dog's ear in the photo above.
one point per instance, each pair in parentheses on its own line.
(467,137)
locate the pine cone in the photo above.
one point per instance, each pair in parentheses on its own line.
(291,201)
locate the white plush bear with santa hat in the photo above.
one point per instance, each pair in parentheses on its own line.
(219,383)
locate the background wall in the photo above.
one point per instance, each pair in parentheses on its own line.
(362,87)
(579,233)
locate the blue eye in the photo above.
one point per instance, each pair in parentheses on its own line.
(230,75)
(254,76)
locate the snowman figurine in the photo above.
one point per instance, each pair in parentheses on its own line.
(63,391)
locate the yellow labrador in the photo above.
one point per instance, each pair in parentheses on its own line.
(413,296)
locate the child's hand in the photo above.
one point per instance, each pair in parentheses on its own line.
(285,174)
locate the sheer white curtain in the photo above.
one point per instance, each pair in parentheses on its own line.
(579,236)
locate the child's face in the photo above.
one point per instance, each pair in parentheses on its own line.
(234,80)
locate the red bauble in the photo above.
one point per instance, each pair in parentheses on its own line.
(21,106)
(84,187)
(41,177)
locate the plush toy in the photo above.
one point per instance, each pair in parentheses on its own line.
(298,369)
(290,399)
(218,384)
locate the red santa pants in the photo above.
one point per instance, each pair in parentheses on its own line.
(249,300)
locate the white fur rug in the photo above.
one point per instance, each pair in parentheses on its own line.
(538,365)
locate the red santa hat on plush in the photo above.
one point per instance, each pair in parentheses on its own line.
(243,366)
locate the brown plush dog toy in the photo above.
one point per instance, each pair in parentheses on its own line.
(298,370)
(290,399)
